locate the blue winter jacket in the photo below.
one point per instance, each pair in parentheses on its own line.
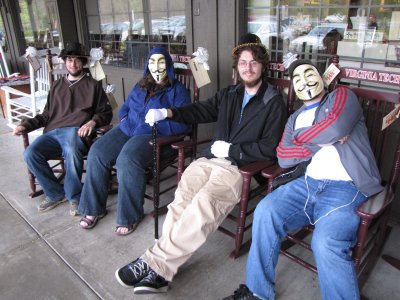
(133,111)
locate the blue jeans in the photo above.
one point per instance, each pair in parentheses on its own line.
(331,207)
(131,157)
(58,142)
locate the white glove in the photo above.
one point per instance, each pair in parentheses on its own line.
(155,115)
(220,149)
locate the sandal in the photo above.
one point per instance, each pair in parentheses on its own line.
(131,228)
(91,223)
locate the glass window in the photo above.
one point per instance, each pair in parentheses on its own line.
(38,31)
(358,30)
(127,29)
(3,40)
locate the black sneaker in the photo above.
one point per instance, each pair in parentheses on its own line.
(152,283)
(242,293)
(132,273)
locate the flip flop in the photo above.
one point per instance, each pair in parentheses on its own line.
(91,223)
(131,228)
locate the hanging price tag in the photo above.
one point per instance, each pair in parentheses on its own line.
(97,71)
(34,62)
(391,117)
(331,72)
(200,74)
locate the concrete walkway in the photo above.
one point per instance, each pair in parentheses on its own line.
(47,255)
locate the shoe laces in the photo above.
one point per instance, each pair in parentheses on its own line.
(139,267)
(243,292)
(150,277)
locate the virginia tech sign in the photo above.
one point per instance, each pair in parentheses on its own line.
(371,75)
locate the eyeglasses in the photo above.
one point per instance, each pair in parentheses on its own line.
(244,64)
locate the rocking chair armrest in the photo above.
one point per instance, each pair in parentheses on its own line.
(25,139)
(256,167)
(188,144)
(10,90)
(273,171)
(376,204)
(167,140)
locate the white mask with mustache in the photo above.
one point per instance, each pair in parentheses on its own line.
(307,82)
(158,67)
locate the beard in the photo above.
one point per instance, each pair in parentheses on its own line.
(251,83)
(76,74)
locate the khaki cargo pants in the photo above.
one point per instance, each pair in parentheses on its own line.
(209,189)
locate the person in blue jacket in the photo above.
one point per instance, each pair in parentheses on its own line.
(127,146)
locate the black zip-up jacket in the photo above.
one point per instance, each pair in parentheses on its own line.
(254,133)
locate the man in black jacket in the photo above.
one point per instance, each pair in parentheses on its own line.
(250,118)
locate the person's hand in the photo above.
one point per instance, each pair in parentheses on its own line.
(344,139)
(155,115)
(87,129)
(19,130)
(220,149)
(340,141)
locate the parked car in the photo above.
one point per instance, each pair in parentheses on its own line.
(267,31)
(317,37)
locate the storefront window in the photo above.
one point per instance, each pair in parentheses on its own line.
(128,29)
(364,32)
(35,17)
(3,39)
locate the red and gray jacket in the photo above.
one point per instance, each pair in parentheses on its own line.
(339,114)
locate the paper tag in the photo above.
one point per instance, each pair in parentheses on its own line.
(199,73)
(331,72)
(112,101)
(97,71)
(34,61)
(391,117)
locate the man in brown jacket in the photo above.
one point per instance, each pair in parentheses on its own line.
(76,104)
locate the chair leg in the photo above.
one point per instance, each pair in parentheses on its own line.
(241,221)
(32,185)
(161,211)
(374,253)
(359,248)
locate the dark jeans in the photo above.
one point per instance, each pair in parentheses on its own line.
(131,156)
(58,142)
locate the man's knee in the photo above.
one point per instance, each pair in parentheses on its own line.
(95,151)
(326,246)
(72,152)
(29,154)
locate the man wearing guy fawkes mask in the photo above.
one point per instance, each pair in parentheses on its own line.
(127,146)
(329,130)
